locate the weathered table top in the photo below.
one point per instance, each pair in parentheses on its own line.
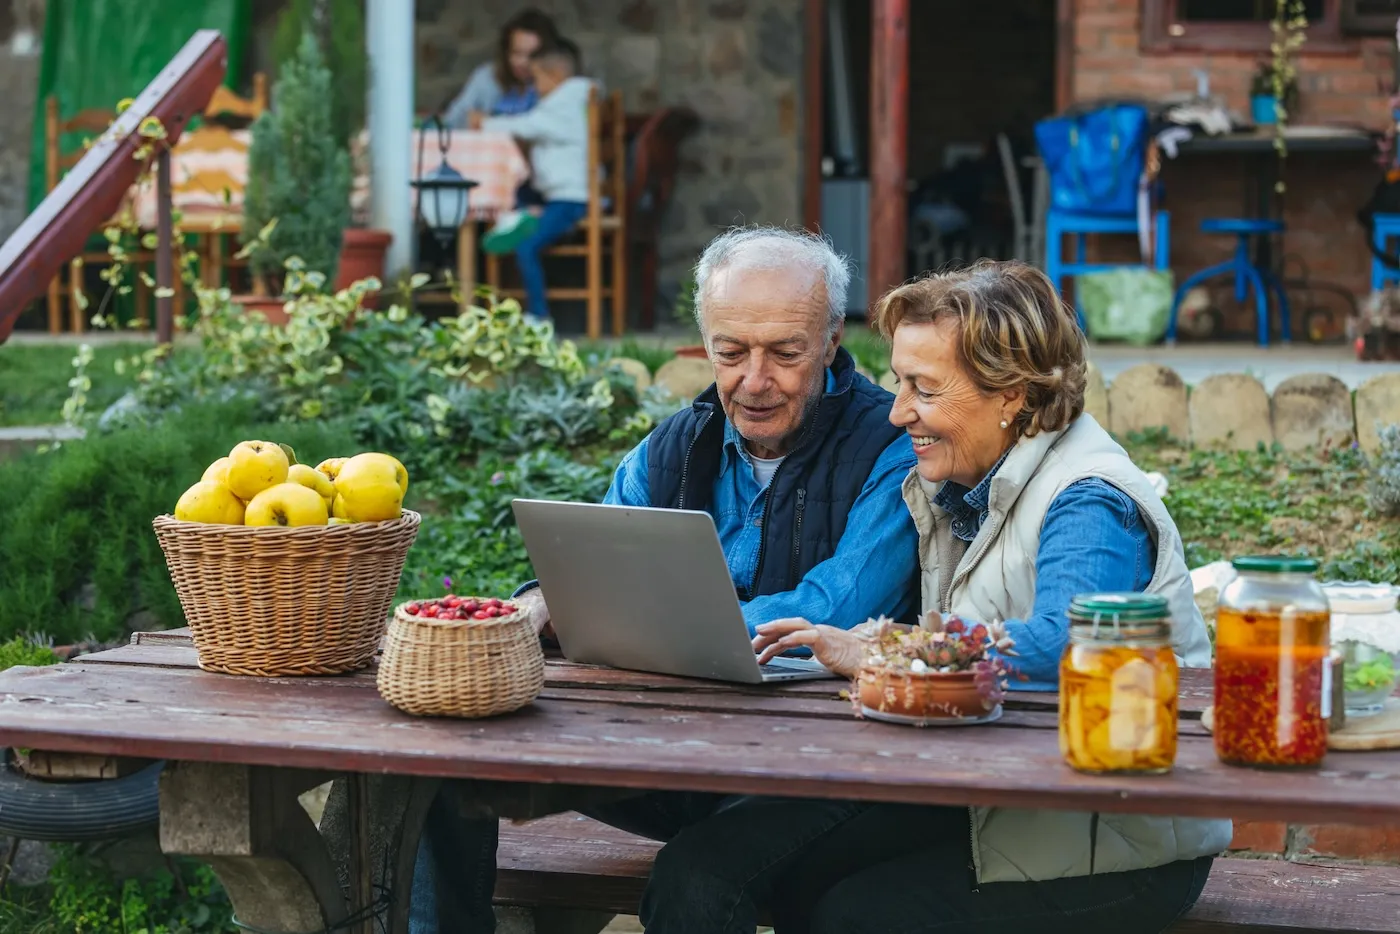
(596,726)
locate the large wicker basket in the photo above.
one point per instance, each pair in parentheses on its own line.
(461,668)
(312,600)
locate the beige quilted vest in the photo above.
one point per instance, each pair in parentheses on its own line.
(994,578)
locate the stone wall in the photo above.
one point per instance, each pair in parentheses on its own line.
(738,63)
(1324,191)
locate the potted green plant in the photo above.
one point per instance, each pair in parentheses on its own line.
(298,197)
(1263,97)
(339,28)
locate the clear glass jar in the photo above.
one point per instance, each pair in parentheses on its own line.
(1119,685)
(1273,666)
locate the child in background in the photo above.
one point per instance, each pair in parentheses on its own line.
(556,130)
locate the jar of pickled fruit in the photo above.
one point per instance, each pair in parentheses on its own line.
(1273,665)
(1118,685)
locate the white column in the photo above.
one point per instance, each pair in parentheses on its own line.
(389,42)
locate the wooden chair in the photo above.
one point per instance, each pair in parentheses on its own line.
(210,184)
(604,228)
(226,103)
(655,162)
(90,124)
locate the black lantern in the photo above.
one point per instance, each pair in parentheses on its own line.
(442,193)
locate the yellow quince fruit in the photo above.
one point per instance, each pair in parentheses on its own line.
(312,479)
(286,504)
(330,467)
(254,466)
(217,471)
(371,487)
(209,502)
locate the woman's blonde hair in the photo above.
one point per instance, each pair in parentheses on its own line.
(1014,329)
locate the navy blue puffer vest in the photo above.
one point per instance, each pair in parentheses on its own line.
(814,487)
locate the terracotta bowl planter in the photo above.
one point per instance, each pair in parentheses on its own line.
(362,255)
(273,307)
(693,350)
(927,696)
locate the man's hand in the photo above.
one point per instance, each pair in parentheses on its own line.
(532,602)
(837,649)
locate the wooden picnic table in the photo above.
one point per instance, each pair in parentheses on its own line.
(240,750)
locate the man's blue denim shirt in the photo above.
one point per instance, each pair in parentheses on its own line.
(1094,538)
(874,569)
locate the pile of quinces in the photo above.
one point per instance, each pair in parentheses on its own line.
(260,483)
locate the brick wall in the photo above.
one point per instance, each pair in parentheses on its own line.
(1304,842)
(1324,190)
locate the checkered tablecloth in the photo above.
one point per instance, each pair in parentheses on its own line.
(491,159)
(209,181)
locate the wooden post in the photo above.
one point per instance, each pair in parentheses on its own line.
(165,252)
(889,137)
(1064,53)
(813,112)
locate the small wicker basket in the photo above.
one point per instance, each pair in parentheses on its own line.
(461,668)
(312,600)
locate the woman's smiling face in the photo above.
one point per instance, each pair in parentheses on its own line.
(959,432)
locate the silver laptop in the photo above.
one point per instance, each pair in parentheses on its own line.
(645,589)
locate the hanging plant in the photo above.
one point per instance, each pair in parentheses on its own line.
(1289,27)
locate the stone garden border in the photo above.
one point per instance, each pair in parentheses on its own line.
(1226,410)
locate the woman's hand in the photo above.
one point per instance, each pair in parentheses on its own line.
(475,119)
(839,650)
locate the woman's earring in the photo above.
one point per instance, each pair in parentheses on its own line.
(1005,423)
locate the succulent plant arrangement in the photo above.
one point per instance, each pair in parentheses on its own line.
(942,645)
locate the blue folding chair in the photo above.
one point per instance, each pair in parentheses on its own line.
(1058,224)
(1387,226)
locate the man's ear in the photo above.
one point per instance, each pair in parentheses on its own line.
(834,343)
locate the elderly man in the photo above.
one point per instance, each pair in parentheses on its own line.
(793,454)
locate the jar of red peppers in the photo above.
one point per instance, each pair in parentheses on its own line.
(1118,685)
(1273,668)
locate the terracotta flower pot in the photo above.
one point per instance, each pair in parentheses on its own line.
(928,696)
(273,307)
(362,255)
(693,350)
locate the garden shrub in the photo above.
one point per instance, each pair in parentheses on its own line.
(77,553)
(1384,487)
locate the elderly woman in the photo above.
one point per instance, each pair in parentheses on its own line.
(1021,501)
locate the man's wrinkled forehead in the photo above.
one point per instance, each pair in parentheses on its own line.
(764,293)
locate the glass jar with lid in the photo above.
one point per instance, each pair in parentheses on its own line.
(1118,685)
(1273,667)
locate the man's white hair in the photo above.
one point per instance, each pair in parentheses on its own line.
(776,248)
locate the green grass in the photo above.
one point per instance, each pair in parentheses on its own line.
(871,351)
(34,380)
(1227,504)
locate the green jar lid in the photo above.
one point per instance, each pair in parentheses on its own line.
(1119,617)
(1275,564)
(1125,607)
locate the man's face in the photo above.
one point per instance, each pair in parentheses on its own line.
(766,333)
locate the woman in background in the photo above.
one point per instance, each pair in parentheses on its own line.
(506,85)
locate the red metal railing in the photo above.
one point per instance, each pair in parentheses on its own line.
(92,192)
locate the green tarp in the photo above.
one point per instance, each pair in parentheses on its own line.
(97,52)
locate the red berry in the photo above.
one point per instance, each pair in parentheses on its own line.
(412,609)
(471,606)
(493,602)
(507,608)
(451,601)
(481,614)
(431,611)
(493,612)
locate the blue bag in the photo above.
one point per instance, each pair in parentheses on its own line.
(1095,159)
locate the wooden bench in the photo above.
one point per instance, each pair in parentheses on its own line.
(572,862)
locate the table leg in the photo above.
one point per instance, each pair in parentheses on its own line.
(280,872)
(466,261)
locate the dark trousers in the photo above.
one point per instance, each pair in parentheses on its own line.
(833,867)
